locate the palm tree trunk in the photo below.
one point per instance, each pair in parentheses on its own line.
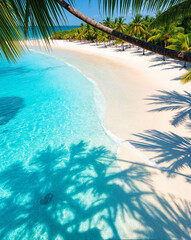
(182,56)
(164,59)
(122,46)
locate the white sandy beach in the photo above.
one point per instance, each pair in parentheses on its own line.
(132,78)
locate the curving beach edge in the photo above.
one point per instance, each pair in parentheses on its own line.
(126,79)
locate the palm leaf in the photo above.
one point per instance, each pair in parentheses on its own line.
(123,6)
(18,16)
(10,37)
(186,77)
(174,13)
(172,47)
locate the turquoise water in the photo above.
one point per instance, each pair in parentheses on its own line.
(58,107)
(56,29)
(54,153)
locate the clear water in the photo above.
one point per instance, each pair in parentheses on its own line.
(54,153)
(56,29)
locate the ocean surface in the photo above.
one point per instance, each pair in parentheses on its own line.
(56,29)
(55,155)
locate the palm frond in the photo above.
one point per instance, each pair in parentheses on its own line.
(10,36)
(172,47)
(174,13)
(186,77)
(123,6)
(40,16)
(21,18)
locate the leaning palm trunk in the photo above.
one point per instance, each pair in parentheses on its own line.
(182,56)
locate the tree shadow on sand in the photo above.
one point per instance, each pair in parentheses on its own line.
(169,148)
(173,101)
(90,199)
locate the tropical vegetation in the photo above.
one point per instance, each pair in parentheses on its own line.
(17,16)
(172,36)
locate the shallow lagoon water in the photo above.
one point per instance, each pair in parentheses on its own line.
(53,150)
(54,105)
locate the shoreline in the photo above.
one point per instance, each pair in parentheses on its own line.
(124,74)
(102,115)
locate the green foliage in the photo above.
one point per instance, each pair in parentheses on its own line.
(43,15)
(162,34)
(185,23)
(139,28)
(180,42)
(10,37)
(186,77)
(62,34)
(87,32)
(17,16)
(174,12)
(136,6)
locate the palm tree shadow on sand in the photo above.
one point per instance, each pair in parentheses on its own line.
(80,193)
(169,148)
(173,101)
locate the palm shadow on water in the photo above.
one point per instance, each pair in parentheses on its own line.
(9,107)
(89,196)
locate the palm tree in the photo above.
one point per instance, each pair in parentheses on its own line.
(180,43)
(107,22)
(122,42)
(163,34)
(79,34)
(147,20)
(137,26)
(46,13)
(87,32)
(152,47)
(144,36)
(68,37)
(95,33)
(120,24)
(103,37)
